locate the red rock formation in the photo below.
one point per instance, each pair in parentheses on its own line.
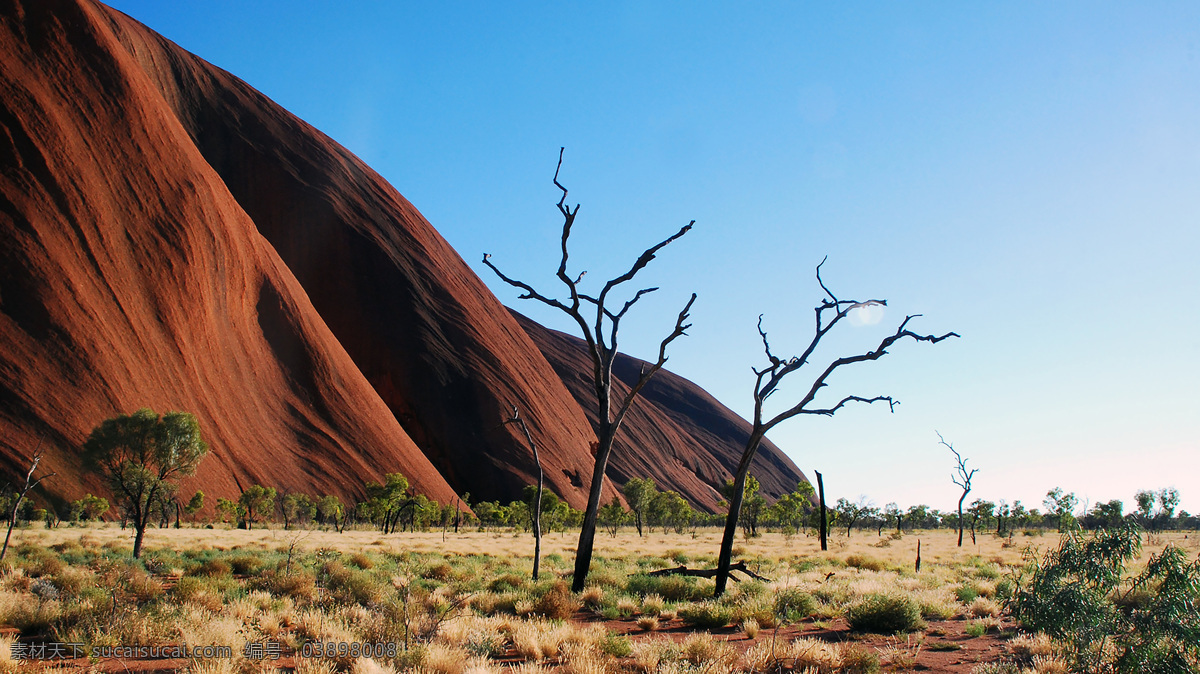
(171,238)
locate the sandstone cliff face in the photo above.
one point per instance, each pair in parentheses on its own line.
(171,238)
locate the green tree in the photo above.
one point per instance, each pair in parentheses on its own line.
(256,501)
(388,501)
(639,494)
(1108,515)
(228,511)
(791,510)
(89,508)
(849,512)
(142,455)
(331,511)
(194,504)
(670,511)
(981,512)
(297,509)
(612,516)
(753,504)
(1061,506)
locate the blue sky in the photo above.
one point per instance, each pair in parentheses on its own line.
(1023,174)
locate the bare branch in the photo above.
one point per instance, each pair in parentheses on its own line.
(875,354)
(855,399)
(644,260)
(822,283)
(767,345)
(679,331)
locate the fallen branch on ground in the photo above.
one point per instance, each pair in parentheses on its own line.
(682,570)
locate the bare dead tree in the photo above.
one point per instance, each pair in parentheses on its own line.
(963,479)
(768,379)
(600,333)
(537,503)
(19,496)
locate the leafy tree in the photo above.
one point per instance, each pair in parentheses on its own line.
(850,512)
(387,502)
(331,511)
(791,510)
(194,504)
(612,516)
(141,455)
(671,511)
(228,511)
(297,508)
(1168,501)
(982,512)
(752,503)
(1061,506)
(639,494)
(89,508)
(893,511)
(1108,515)
(255,502)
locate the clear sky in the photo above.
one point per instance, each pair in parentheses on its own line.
(1026,174)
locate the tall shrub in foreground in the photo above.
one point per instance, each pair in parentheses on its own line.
(1080,595)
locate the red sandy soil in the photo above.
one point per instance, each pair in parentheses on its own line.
(171,238)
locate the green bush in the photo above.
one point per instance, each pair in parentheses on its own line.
(884,614)
(793,605)
(616,646)
(966,593)
(859,660)
(706,614)
(865,562)
(1069,594)
(671,588)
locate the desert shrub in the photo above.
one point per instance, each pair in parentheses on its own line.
(706,614)
(647,623)
(793,605)
(556,603)
(211,568)
(865,562)
(884,614)
(858,660)
(616,646)
(297,585)
(652,605)
(441,571)
(361,561)
(507,583)
(244,565)
(671,588)
(351,586)
(142,586)
(1069,593)
(966,593)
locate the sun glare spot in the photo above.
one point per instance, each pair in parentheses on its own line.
(866,313)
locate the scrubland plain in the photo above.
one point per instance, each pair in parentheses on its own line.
(455,603)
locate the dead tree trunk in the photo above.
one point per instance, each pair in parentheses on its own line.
(824,512)
(767,381)
(30,483)
(537,503)
(601,337)
(963,480)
